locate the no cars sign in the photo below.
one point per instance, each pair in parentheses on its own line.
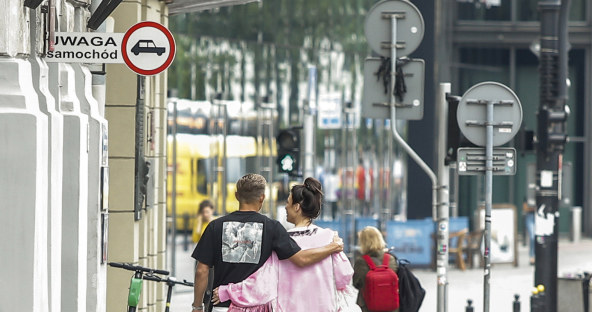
(148,48)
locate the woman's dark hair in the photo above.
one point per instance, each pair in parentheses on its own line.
(310,196)
(204,203)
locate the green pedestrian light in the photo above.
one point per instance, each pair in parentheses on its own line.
(288,143)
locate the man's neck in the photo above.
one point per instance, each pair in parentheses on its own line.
(249,207)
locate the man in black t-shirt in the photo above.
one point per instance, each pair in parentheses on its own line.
(238,244)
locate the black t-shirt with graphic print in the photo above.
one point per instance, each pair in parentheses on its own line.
(238,244)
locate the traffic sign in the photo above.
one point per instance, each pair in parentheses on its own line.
(410,27)
(472,113)
(471,161)
(148,48)
(329,111)
(86,47)
(375,99)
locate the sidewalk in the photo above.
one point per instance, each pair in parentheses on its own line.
(506,280)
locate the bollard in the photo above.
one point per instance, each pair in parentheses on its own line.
(187,230)
(537,301)
(576,224)
(516,303)
(534,300)
(587,282)
(469,307)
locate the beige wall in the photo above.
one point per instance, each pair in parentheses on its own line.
(140,242)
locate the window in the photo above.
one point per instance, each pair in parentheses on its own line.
(251,164)
(528,10)
(501,10)
(483,64)
(202,175)
(484,10)
(235,169)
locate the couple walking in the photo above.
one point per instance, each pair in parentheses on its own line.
(248,252)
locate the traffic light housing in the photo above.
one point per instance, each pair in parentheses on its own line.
(455,138)
(551,134)
(288,154)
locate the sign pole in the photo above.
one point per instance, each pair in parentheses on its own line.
(309,126)
(479,102)
(488,200)
(443,192)
(441,265)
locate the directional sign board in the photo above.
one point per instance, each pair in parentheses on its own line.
(472,113)
(148,48)
(376,99)
(410,27)
(471,161)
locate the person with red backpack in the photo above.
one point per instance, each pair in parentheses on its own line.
(374,274)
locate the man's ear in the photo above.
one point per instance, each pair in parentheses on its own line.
(262,198)
(236,196)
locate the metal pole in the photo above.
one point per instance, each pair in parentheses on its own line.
(443,193)
(259,137)
(308,123)
(174,192)
(381,172)
(453,190)
(488,200)
(551,135)
(270,139)
(354,202)
(441,267)
(266,111)
(224,160)
(389,210)
(343,163)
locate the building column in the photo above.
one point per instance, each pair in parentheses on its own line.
(23,170)
(23,189)
(74,187)
(145,238)
(120,108)
(55,157)
(96,269)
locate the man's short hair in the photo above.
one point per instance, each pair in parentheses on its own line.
(250,187)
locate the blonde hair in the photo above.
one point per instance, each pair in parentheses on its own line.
(371,240)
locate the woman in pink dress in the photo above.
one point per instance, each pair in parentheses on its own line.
(283,286)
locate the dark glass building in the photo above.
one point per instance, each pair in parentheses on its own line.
(471,41)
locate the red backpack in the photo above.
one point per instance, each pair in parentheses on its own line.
(381,289)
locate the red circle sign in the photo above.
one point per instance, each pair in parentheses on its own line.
(148,48)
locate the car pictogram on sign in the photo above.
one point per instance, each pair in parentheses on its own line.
(147,46)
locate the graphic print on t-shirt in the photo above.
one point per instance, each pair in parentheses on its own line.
(241,242)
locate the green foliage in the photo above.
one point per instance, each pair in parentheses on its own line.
(293,32)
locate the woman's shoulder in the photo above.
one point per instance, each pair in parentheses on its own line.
(325,232)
